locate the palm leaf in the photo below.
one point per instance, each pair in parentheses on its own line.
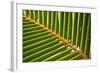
(55,36)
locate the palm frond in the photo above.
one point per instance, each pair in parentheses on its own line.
(56,36)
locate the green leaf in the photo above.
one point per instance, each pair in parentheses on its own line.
(84,27)
(88,37)
(52,20)
(60,17)
(65,25)
(74,27)
(49,19)
(69,26)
